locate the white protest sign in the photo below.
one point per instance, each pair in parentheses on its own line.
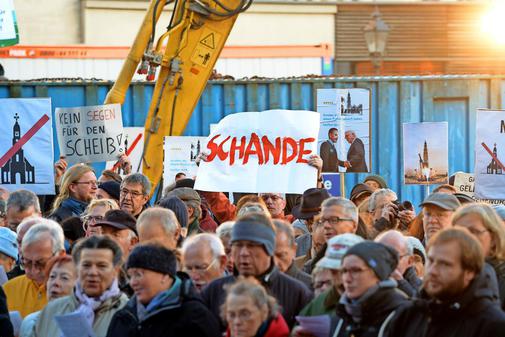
(490,154)
(257,152)
(180,156)
(26,145)
(90,133)
(133,143)
(464,183)
(8,24)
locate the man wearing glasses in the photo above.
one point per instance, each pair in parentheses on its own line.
(27,293)
(134,194)
(204,259)
(338,216)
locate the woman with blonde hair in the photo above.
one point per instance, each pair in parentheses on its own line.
(96,212)
(250,312)
(78,187)
(486,226)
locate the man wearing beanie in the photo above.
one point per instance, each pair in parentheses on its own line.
(370,298)
(253,247)
(165,303)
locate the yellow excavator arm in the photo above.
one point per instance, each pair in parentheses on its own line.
(194,39)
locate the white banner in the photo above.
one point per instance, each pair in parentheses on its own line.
(180,156)
(8,24)
(26,145)
(133,142)
(464,183)
(90,133)
(257,152)
(490,154)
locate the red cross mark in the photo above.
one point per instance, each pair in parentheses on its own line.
(492,155)
(130,150)
(24,139)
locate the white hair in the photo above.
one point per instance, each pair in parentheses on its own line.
(347,205)
(215,244)
(28,222)
(383,192)
(166,218)
(224,229)
(43,226)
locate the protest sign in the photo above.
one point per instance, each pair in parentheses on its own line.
(133,143)
(334,183)
(425,153)
(261,152)
(464,183)
(344,135)
(490,154)
(26,145)
(180,156)
(8,24)
(90,133)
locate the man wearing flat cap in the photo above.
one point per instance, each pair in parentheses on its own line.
(253,247)
(438,209)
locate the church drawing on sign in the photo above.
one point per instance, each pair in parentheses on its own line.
(494,167)
(17,170)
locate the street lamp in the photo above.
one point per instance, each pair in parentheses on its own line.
(376,34)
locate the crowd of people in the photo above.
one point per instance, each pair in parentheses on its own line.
(195,263)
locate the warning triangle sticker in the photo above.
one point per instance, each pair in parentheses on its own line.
(208,41)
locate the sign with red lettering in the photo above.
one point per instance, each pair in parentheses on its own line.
(261,152)
(90,133)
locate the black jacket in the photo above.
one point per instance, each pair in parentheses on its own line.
(291,294)
(187,316)
(6,329)
(356,156)
(474,313)
(499,268)
(329,155)
(377,311)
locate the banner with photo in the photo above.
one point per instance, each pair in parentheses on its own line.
(9,34)
(180,156)
(425,153)
(490,154)
(344,134)
(26,145)
(258,152)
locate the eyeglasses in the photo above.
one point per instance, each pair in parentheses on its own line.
(90,182)
(242,315)
(39,265)
(134,194)
(94,218)
(199,269)
(353,271)
(436,215)
(334,220)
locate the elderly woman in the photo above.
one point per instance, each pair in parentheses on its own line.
(250,312)
(485,224)
(61,277)
(165,302)
(96,212)
(96,296)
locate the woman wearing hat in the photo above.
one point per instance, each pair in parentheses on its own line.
(250,312)
(486,226)
(165,302)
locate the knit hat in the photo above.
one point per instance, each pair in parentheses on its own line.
(178,207)
(382,259)
(417,247)
(337,247)
(8,243)
(310,203)
(153,257)
(186,194)
(119,219)
(298,224)
(378,179)
(252,231)
(111,187)
(445,201)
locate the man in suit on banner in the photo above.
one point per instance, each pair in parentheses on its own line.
(356,153)
(328,152)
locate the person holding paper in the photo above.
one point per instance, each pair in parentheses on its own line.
(165,303)
(96,296)
(250,311)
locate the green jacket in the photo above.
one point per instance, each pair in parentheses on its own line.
(46,325)
(323,304)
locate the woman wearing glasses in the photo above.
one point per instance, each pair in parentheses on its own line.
(486,226)
(250,312)
(78,187)
(94,213)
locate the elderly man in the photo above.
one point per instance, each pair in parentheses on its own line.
(438,210)
(253,246)
(276,203)
(356,153)
(120,225)
(338,216)
(327,301)
(27,293)
(21,204)
(193,204)
(21,230)
(456,299)
(204,258)
(405,273)
(134,194)
(285,253)
(160,225)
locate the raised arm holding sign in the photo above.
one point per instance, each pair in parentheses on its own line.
(261,152)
